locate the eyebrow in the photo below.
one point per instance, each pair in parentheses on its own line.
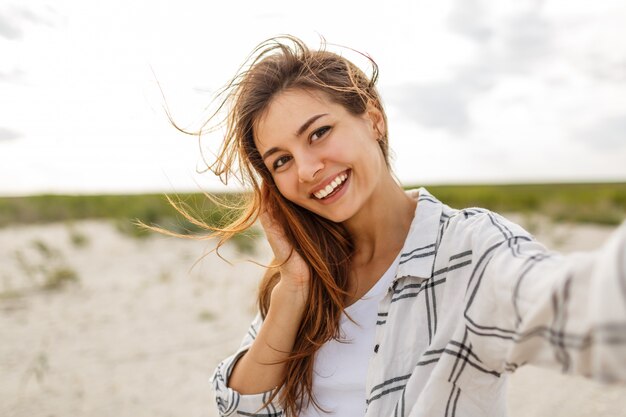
(299,132)
(308,123)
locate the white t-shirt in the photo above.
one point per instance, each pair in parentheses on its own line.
(340,368)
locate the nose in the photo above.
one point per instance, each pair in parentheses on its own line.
(308,166)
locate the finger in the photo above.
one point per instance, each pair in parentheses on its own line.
(275,236)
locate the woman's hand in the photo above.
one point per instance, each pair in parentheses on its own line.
(262,367)
(294,271)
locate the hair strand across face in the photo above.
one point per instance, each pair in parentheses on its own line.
(277,65)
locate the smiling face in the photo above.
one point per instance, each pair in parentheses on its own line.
(322,157)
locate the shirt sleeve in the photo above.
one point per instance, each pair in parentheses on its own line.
(526,304)
(231,402)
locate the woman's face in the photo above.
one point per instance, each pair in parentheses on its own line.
(322,157)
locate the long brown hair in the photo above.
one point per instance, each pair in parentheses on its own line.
(276,65)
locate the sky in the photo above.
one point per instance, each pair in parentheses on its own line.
(476,91)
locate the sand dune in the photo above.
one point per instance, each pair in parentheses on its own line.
(96,323)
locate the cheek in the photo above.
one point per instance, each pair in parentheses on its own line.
(286,186)
(360,156)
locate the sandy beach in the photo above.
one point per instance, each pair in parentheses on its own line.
(96,323)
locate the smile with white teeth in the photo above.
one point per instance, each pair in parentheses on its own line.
(331,187)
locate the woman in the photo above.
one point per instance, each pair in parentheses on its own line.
(383,302)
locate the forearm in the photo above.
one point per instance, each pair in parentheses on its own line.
(262,367)
(565,312)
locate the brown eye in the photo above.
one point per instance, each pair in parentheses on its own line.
(319,133)
(279,162)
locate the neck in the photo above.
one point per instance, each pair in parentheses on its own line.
(382,223)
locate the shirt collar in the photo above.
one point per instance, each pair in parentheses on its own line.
(417,257)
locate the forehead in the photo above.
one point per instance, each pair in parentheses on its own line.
(287,112)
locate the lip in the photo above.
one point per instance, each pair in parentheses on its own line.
(343,189)
(325,183)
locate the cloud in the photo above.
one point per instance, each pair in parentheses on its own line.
(527,39)
(31,16)
(11,22)
(434,105)
(8,30)
(608,134)
(7,134)
(606,68)
(509,44)
(469,19)
(13,75)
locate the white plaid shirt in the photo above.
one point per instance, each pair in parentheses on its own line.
(474,298)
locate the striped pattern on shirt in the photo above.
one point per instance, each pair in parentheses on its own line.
(474,298)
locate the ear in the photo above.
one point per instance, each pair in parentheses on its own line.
(376,119)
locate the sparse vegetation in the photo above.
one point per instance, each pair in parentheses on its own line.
(125,209)
(206,315)
(9,294)
(164,277)
(246,242)
(128,228)
(600,203)
(58,277)
(38,368)
(45,250)
(46,269)
(603,203)
(78,239)
(29,270)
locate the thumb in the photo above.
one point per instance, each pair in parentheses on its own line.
(276,236)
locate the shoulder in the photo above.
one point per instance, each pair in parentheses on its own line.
(481,219)
(478,226)
(440,226)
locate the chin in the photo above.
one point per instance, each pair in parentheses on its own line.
(332,213)
(337,217)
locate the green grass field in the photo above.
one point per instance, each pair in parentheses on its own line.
(601,203)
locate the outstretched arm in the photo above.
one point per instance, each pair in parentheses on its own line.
(528,305)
